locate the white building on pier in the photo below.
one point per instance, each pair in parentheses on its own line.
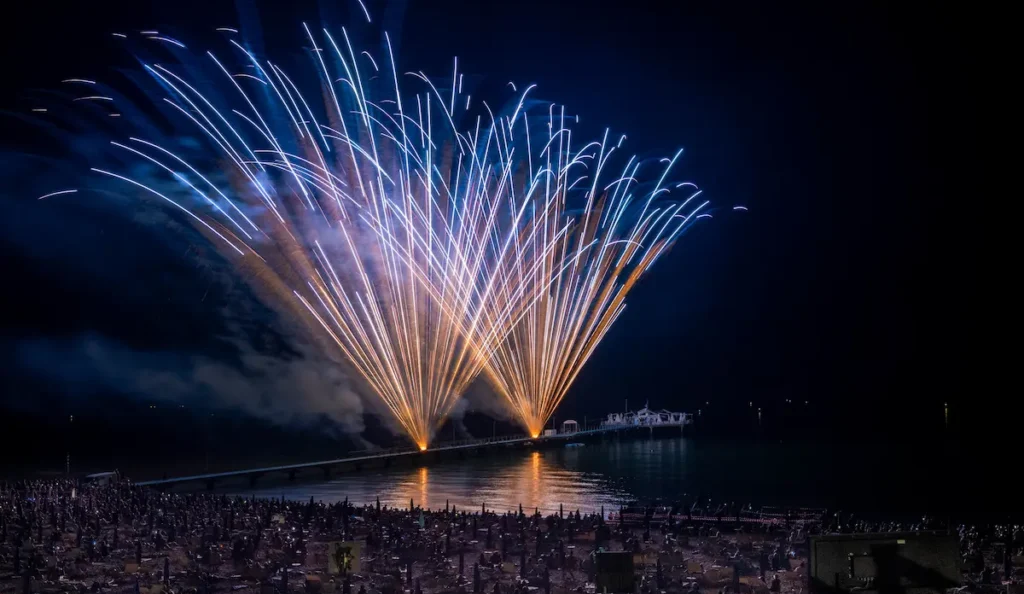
(645,417)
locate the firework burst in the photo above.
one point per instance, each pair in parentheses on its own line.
(620,228)
(405,243)
(419,236)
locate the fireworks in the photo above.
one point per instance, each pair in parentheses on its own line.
(619,234)
(423,238)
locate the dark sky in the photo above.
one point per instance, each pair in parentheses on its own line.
(840,125)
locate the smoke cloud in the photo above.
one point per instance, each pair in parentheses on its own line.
(293,389)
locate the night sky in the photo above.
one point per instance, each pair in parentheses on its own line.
(841,126)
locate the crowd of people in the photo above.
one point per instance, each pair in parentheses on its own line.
(116,537)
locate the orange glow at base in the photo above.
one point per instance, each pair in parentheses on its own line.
(535,435)
(423,447)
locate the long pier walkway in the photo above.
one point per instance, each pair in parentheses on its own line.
(358,459)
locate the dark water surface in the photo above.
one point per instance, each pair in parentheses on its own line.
(859,477)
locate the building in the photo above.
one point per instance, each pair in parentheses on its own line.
(645,417)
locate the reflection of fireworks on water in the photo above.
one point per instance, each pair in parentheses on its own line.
(542,480)
(416,249)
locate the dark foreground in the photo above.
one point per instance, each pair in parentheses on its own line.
(62,536)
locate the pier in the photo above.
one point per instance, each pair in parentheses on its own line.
(616,423)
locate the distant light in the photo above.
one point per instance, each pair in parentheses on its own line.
(739,208)
(751,403)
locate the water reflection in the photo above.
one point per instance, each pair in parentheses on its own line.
(533,479)
(608,473)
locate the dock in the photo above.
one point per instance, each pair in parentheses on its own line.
(616,423)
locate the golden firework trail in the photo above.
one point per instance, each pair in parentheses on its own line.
(621,230)
(406,244)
